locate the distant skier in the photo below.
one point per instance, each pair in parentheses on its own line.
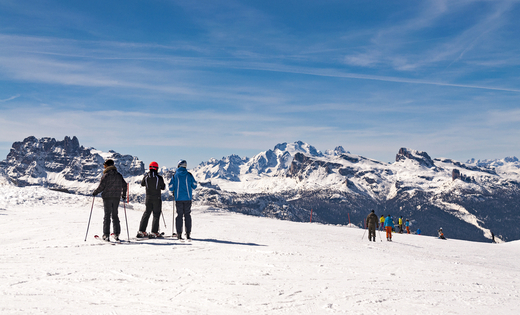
(441,234)
(401,225)
(372,225)
(154,184)
(113,188)
(181,186)
(407,225)
(382,222)
(389,225)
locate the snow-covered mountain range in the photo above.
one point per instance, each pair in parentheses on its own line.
(470,200)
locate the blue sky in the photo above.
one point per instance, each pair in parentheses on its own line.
(165,80)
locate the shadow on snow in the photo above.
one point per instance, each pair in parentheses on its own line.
(225,242)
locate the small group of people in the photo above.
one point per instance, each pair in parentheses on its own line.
(113,188)
(382,220)
(386,224)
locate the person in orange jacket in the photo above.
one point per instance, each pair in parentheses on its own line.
(389,225)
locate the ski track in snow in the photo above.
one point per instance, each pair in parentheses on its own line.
(237,264)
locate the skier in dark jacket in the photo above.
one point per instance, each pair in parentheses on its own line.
(154,184)
(372,221)
(181,186)
(113,188)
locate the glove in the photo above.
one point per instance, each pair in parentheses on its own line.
(94,194)
(123,197)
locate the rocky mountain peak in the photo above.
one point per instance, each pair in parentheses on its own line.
(420,156)
(53,163)
(337,151)
(298,146)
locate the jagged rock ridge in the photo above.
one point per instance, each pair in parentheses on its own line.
(62,165)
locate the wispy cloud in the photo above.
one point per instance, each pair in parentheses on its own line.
(58,72)
(393,46)
(10,98)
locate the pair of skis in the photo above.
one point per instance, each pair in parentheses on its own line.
(108,241)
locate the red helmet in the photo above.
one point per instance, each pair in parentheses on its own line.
(154,166)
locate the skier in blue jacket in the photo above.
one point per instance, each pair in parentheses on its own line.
(389,225)
(182,185)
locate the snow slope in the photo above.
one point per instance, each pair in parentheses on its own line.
(237,265)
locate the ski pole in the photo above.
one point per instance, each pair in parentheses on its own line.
(126,219)
(362,237)
(162,214)
(173,217)
(124,206)
(90,216)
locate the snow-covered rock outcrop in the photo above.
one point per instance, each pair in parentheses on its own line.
(63,165)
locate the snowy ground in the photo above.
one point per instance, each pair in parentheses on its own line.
(237,265)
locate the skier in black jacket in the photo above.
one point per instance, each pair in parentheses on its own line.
(113,188)
(371,225)
(154,184)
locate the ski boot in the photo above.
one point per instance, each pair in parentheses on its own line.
(141,234)
(155,235)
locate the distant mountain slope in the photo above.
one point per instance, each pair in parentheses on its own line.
(471,199)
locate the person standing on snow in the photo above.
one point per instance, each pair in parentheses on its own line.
(401,225)
(154,184)
(407,224)
(389,225)
(441,234)
(113,188)
(372,225)
(382,221)
(181,186)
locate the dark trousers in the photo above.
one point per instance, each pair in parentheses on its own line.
(153,205)
(111,205)
(372,233)
(183,211)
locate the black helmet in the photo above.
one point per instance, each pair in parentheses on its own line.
(182,163)
(109,162)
